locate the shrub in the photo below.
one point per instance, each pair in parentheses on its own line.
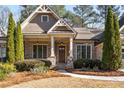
(31,64)
(5,69)
(40,69)
(78,63)
(87,63)
(47,62)
(2,75)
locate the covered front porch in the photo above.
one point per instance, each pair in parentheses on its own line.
(57,48)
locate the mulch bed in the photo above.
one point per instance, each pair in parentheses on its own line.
(20,77)
(96,73)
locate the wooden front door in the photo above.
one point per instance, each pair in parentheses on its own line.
(61,54)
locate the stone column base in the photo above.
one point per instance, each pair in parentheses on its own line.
(70,62)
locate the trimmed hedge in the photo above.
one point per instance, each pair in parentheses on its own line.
(87,63)
(31,64)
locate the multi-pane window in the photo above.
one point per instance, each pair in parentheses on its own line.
(39,51)
(84,51)
(2,51)
(122,53)
(44,18)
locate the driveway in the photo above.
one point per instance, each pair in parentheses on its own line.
(69,82)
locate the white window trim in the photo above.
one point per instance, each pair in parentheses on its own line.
(86,49)
(42,18)
(37,50)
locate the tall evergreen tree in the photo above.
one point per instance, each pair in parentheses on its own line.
(10,40)
(19,47)
(108,48)
(117,44)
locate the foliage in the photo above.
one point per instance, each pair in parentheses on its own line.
(87,63)
(5,69)
(10,40)
(26,11)
(86,13)
(117,45)
(47,62)
(102,11)
(59,9)
(78,63)
(28,65)
(19,47)
(112,45)
(40,69)
(4,13)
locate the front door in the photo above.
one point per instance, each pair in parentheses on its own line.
(61,54)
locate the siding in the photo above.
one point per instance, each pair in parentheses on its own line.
(36,26)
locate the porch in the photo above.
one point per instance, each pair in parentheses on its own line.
(55,48)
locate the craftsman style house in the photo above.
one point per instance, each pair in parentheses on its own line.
(47,36)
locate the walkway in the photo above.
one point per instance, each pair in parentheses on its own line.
(120,78)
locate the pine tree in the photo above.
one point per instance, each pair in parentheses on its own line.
(108,48)
(19,47)
(10,40)
(117,44)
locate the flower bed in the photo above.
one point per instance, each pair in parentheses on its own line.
(96,73)
(20,77)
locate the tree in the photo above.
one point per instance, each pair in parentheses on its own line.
(26,11)
(117,44)
(10,40)
(4,13)
(86,13)
(102,11)
(59,10)
(19,47)
(108,43)
(72,19)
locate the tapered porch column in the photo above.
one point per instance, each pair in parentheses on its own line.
(71,47)
(52,46)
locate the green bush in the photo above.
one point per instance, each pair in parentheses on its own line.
(78,63)
(2,75)
(31,64)
(40,69)
(6,69)
(87,63)
(47,62)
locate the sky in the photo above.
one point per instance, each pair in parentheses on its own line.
(16,9)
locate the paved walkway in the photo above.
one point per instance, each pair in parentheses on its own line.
(112,78)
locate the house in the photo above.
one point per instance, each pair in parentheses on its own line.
(47,36)
(2,45)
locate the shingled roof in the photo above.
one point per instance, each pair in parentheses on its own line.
(86,33)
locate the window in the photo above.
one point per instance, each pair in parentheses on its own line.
(122,53)
(39,51)
(84,51)
(44,18)
(2,52)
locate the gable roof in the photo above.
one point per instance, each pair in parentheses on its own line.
(40,9)
(61,22)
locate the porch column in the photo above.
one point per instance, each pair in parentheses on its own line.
(52,46)
(71,47)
